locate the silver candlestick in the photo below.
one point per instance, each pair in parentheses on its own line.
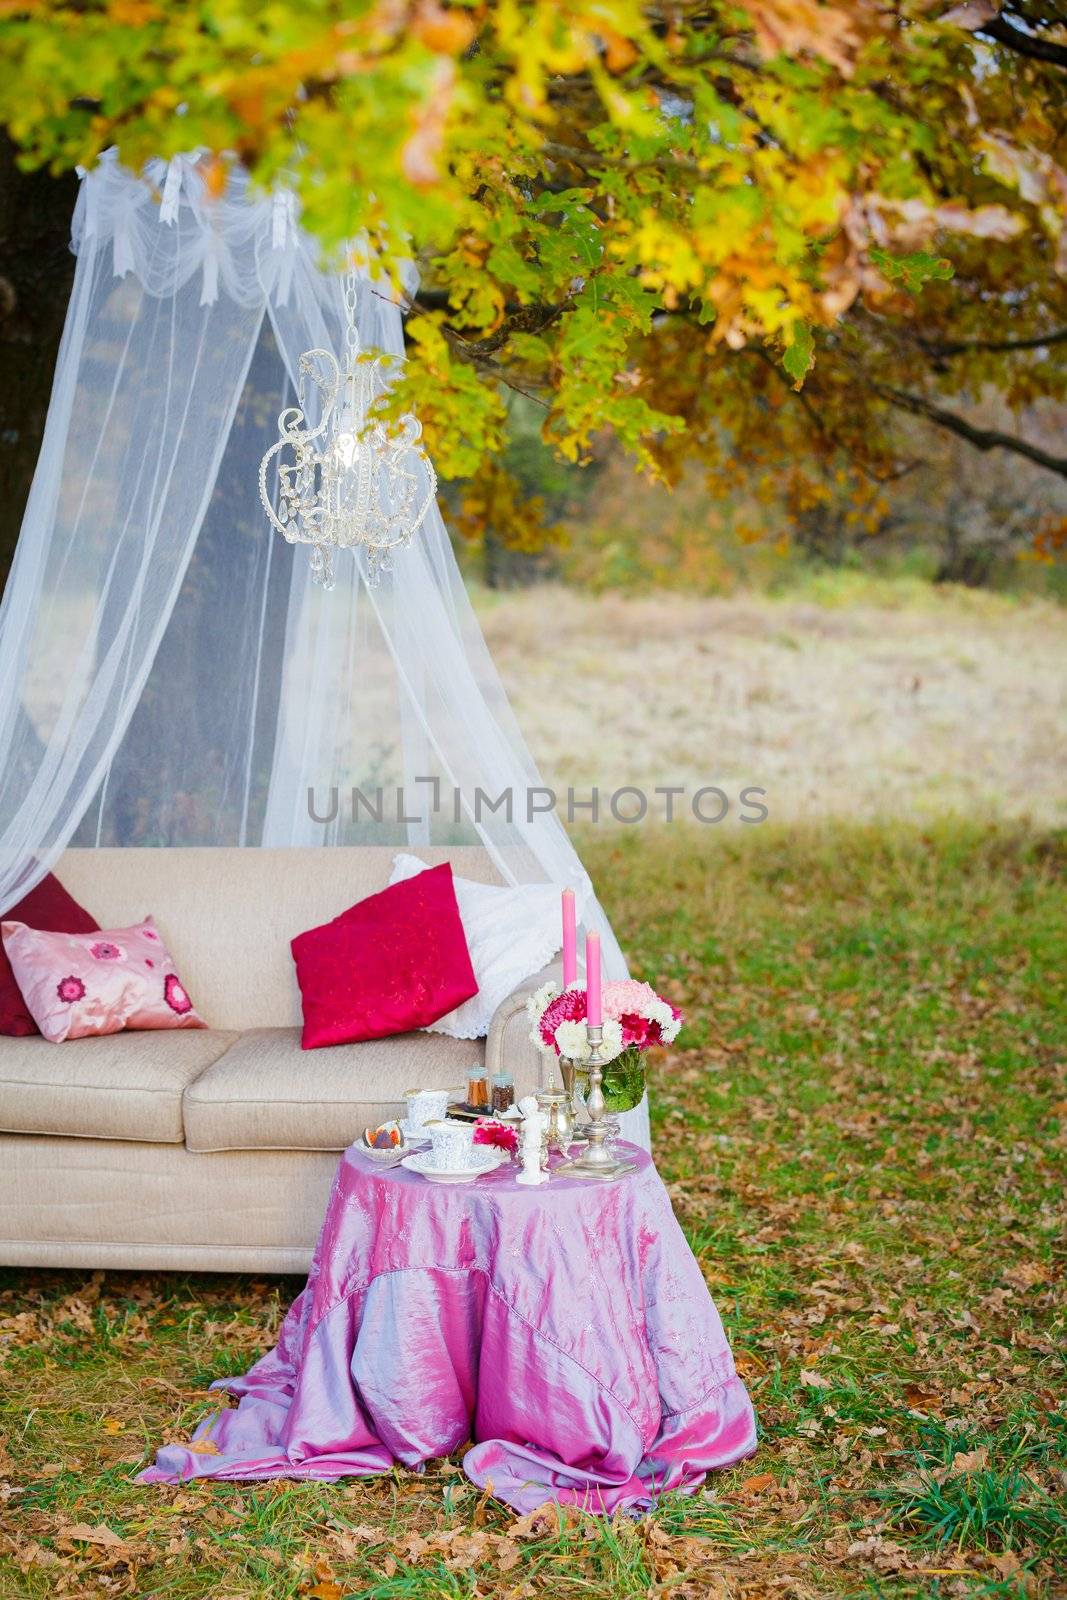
(596,1160)
(571,1073)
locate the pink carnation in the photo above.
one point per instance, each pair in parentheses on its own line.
(498,1134)
(566,1007)
(625,996)
(629,1002)
(637,1030)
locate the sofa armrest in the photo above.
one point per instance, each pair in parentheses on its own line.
(508,1046)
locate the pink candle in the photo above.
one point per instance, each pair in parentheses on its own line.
(594,1013)
(570,939)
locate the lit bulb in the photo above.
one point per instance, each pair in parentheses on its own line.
(344,449)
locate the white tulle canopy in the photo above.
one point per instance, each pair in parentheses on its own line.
(169,674)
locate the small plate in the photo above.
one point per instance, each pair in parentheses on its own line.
(486,1160)
(386,1154)
(383,1158)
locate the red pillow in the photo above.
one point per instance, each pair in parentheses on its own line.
(393,962)
(50,908)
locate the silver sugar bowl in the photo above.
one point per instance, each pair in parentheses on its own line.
(554,1103)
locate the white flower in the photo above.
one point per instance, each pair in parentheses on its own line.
(572,1040)
(537,1004)
(659,1011)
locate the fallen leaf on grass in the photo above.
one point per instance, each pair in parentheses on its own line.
(815,1380)
(971,1460)
(1027,1275)
(327,1590)
(81,1533)
(923,1399)
(481,1510)
(756,1485)
(883,1554)
(508,1555)
(350,1541)
(537,1523)
(36,1555)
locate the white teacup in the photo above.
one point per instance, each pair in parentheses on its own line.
(426,1105)
(451,1144)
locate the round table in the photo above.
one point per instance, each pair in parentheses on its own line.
(566,1329)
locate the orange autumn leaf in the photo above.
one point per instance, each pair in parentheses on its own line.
(756,1485)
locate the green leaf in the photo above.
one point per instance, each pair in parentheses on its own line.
(799,357)
(913,270)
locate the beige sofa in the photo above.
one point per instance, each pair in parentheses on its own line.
(215,1148)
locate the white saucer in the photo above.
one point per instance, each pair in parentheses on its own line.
(483,1159)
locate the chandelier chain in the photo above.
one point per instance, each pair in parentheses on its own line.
(351,297)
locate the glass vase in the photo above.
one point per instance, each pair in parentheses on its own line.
(624,1080)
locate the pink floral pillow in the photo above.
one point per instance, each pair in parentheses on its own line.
(75,984)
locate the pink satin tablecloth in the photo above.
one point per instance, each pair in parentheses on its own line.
(566,1329)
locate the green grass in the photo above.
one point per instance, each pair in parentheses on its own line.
(863,1134)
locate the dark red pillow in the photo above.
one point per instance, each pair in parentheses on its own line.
(51,909)
(393,962)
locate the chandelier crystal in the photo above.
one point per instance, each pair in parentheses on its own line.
(352,482)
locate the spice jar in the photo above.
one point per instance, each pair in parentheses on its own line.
(478,1089)
(503,1092)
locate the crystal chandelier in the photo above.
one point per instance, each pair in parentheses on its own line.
(350,483)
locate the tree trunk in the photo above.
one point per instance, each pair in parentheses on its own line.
(36,272)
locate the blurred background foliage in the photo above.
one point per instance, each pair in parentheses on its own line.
(957,517)
(801,263)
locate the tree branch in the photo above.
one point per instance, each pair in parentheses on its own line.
(959,347)
(1031,45)
(872,474)
(985,439)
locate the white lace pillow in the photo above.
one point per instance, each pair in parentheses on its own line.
(511,935)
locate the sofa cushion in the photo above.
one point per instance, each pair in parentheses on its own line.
(266,1093)
(80,985)
(511,931)
(119,1086)
(46,906)
(393,962)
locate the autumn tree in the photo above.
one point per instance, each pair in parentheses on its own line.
(746,235)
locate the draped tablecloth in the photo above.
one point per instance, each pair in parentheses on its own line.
(566,1329)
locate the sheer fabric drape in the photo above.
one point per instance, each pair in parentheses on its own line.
(168,672)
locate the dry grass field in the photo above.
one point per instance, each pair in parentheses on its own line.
(856,701)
